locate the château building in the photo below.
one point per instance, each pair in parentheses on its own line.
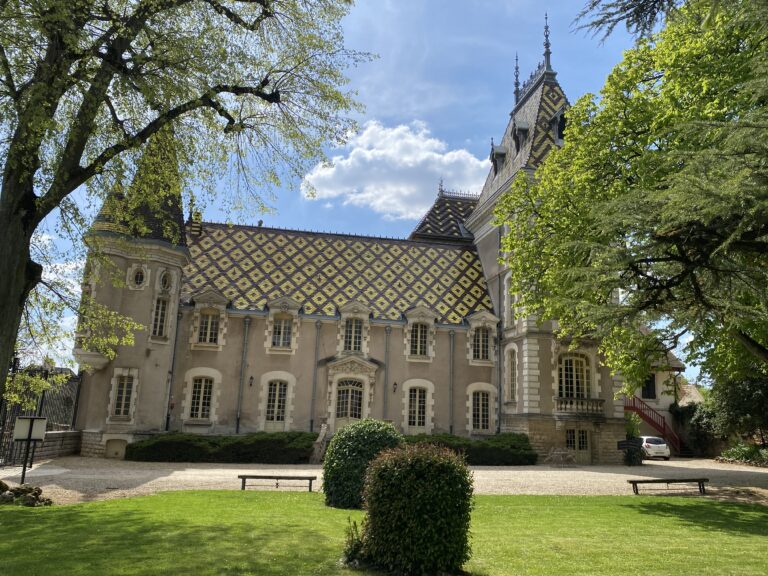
(253,328)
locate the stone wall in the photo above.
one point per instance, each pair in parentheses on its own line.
(58,444)
(91,444)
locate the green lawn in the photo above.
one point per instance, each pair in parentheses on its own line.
(268,533)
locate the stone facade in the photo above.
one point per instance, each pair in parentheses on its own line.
(253,328)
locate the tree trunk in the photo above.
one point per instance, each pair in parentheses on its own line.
(18,274)
(751,345)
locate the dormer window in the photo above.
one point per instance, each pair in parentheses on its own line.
(209,327)
(498,154)
(480,340)
(353,335)
(481,349)
(282,326)
(557,127)
(420,334)
(519,134)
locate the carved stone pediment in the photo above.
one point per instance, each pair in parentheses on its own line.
(354,308)
(353,366)
(420,313)
(211,297)
(283,304)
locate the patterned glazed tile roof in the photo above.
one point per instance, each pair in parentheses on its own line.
(445,220)
(252,265)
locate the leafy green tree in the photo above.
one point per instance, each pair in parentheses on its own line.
(252,87)
(649,226)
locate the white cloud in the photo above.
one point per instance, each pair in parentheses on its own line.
(395,171)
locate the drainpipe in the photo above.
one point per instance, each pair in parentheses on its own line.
(387,332)
(247,324)
(170,373)
(452,339)
(499,338)
(314,377)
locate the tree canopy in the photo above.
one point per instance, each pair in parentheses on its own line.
(252,87)
(649,227)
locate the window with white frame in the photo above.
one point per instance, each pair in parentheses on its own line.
(481,344)
(208,330)
(200,404)
(353,335)
(417,407)
(282,328)
(349,399)
(481,411)
(159,317)
(123,396)
(277,394)
(512,375)
(573,376)
(419,339)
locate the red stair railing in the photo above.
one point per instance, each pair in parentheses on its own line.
(654,419)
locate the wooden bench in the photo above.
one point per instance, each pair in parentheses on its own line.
(245,477)
(668,481)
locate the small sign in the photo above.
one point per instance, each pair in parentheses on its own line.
(631,443)
(30,428)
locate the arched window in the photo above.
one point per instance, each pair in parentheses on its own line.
(349,399)
(419,334)
(480,344)
(481,411)
(277,394)
(573,376)
(200,405)
(512,375)
(417,407)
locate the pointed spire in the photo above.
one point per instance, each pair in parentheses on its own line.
(517,79)
(547,45)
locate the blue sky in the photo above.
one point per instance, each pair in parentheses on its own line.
(440,89)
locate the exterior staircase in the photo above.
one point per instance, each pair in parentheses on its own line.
(654,419)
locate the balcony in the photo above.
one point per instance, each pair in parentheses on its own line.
(591,408)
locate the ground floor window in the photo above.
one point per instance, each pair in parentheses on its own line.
(349,399)
(577,439)
(481,414)
(276,400)
(123,396)
(202,391)
(417,407)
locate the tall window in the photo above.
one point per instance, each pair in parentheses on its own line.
(281,332)
(123,396)
(574,376)
(209,328)
(202,390)
(417,407)
(481,413)
(276,395)
(480,348)
(512,367)
(349,399)
(419,334)
(353,335)
(158,320)
(649,388)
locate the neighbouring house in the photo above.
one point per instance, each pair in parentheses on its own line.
(254,328)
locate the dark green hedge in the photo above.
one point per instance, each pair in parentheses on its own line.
(258,448)
(501,450)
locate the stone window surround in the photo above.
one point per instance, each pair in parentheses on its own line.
(209,302)
(130,419)
(266,378)
(131,274)
(171,307)
(350,368)
(420,314)
(487,320)
(283,308)
(588,354)
(429,422)
(492,407)
(354,310)
(186,403)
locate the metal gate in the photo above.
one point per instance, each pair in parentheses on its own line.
(59,405)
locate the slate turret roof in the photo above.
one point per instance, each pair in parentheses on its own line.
(251,265)
(445,219)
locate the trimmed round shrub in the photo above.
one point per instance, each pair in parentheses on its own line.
(419,501)
(347,457)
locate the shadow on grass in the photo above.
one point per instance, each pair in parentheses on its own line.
(146,541)
(709,515)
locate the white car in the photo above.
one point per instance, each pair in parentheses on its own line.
(655,447)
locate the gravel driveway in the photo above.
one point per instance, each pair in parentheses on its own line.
(77,479)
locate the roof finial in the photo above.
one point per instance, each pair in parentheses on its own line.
(440,189)
(547,51)
(517,79)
